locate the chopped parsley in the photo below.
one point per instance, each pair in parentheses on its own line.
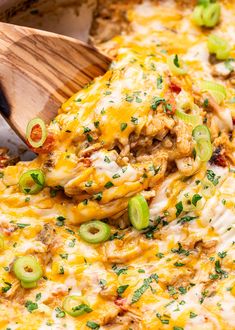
(180,250)
(31,306)
(119,270)
(211,176)
(108,185)
(222,254)
(83,308)
(179,264)
(121,289)
(116,235)
(64,255)
(176,61)
(92,325)
(38,296)
(159,82)
(88,184)
(165,320)
(185,219)
(123,126)
(107,160)
(115,176)
(98,196)
(179,208)
(86,130)
(59,313)
(60,221)
(195,199)
(144,287)
(134,120)
(7,287)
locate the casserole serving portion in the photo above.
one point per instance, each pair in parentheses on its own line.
(125,220)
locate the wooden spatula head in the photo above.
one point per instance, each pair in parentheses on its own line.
(39,70)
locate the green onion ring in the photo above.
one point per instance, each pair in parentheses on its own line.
(204,149)
(28,285)
(177,70)
(211,15)
(32,123)
(32,181)
(201,132)
(27,269)
(218,91)
(187,118)
(94,232)
(218,46)
(138,212)
(75,306)
(197,15)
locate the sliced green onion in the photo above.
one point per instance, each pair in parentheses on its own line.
(31,182)
(28,285)
(204,149)
(218,46)
(75,306)
(201,132)
(1,242)
(176,65)
(216,90)
(95,232)
(187,118)
(43,134)
(27,269)
(208,189)
(187,202)
(138,212)
(207,15)
(197,15)
(211,15)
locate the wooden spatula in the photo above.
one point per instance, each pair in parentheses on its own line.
(39,70)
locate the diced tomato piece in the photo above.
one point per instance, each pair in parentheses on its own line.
(47,146)
(175,88)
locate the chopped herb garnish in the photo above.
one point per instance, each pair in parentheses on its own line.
(61,270)
(179,264)
(134,120)
(179,208)
(31,306)
(92,325)
(192,315)
(115,176)
(119,270)
(180,250)
(22,225)
(89,138)
(108,185)
(60,221)
(98,196)
(86,130)
(83,308)
(88,184)
(116,236)
(195,199)
(96,124)
(121,289)
(102,283)
(123,126)
(64,255)
(7,287)
(139,292)
(59,313)
(72,242)
(164,321)
(38,296)
(107,160)
(159,82)
(211,176)
(185,219)
(176,61)
(222,254)
(160,255)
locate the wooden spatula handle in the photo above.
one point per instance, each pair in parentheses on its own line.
(39,70)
